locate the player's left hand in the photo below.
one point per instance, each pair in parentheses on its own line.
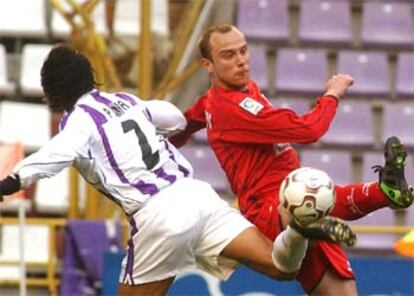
(9,185)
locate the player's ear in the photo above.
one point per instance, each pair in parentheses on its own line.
(207,65)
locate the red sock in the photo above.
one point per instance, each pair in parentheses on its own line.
(357,200)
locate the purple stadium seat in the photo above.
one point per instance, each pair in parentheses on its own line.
(200,136)
(372,158)
(338,164)
(258,66)
(352,125)
(300,106)
(410,216)
(369,70)
(206,166)
(379,242)
(300,71)
(333,25)
(387,23)
(405,74)
(265,20)
(398,120)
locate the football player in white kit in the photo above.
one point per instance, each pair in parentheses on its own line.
(116,142)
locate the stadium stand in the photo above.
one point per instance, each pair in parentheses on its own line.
(352,126)
(333,25)
(52,194)
(398,119)
(369,70)
(7,87)
(128,12)
(16,22)
(300,106)
(60,28)
(33,56)
(300,71)
(376,242)
(258,68)
(410,217)
(30,122)
(207,167)
(395,18)
(404,75)
(337,163)
(200,136)
(264,20)
(37,253)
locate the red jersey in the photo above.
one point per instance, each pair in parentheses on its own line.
(250,138)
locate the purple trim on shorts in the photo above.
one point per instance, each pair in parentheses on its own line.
(129,268)
(99,120)
(180,167)
(163,175)
(126,97)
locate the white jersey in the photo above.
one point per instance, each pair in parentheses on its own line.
(114,141)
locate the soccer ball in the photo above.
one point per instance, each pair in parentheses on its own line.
(307,194)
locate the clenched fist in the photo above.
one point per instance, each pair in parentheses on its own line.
(338,84)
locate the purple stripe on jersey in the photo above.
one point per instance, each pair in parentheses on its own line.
(129,268)
(148,114)
(97,96)
(99,120)
(146,188)
(163,175)
(133,102)
(125,97)
(180,167)
(64,120)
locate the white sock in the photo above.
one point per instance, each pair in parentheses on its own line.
(289,249)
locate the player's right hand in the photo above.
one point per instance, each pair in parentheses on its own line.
(338,84)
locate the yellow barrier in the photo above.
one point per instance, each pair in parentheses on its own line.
(51,282)
(405,246)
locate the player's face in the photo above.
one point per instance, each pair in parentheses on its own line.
(230,60)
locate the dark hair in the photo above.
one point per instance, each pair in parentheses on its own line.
(66,75)
(204,40)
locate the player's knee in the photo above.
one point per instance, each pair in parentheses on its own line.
(273,272)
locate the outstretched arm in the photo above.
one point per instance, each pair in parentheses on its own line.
(167,118)
(54,156)
(280,125)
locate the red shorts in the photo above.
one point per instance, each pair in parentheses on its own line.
(321,255)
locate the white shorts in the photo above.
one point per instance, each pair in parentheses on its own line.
(184,226)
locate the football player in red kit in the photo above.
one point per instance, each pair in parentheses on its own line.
(251,140)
